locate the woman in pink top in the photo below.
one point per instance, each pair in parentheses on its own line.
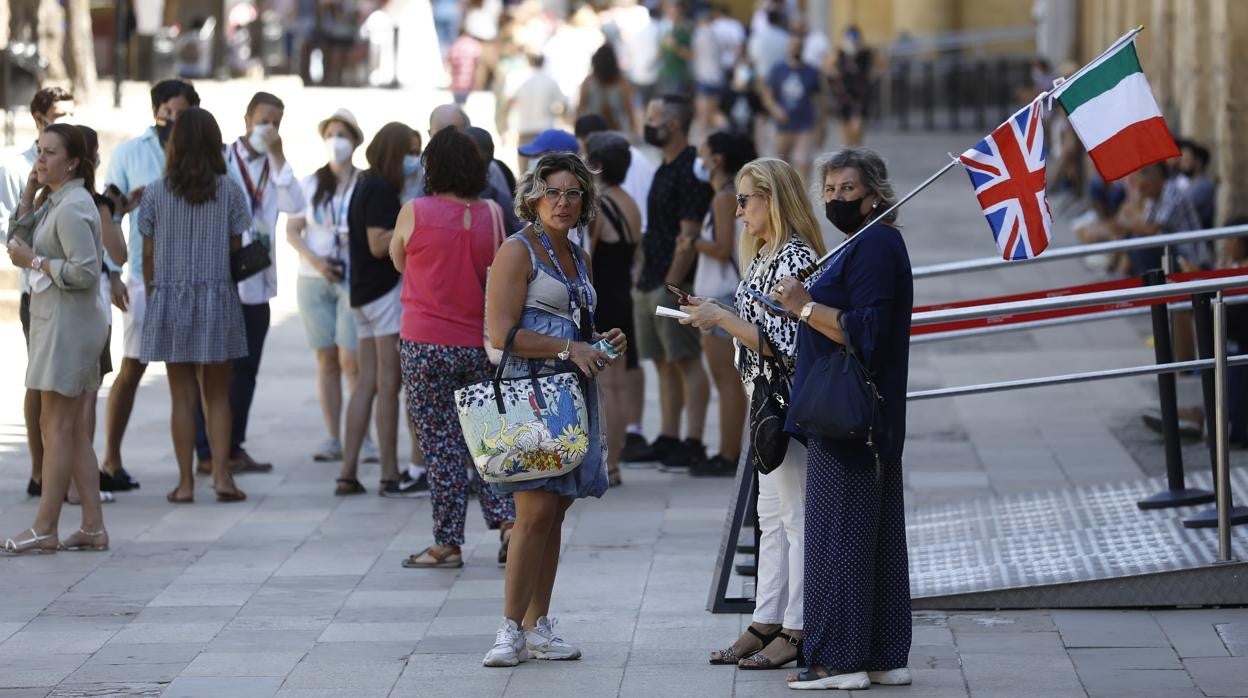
(443,244)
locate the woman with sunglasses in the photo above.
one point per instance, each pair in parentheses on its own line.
(781,237)
(541,286)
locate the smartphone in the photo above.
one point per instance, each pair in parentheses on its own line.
(767,302)
(682,296)
(605,347)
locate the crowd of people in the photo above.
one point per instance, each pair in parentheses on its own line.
(439,266)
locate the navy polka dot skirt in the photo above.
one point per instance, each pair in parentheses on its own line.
(857,594)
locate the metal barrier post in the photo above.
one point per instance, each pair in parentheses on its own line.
(981,94)
(955,99)
(1222,473)
(1211,343)
(1176,493)
(929,94)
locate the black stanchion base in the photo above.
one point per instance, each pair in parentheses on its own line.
(1176,498)
(1209,518)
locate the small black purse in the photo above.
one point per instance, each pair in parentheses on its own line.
(769,406)
(838,399)
(249,260)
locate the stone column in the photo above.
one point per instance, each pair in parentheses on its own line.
(1056,35)
(1228,35)
(1193,67)
(925,17)
(1159,63)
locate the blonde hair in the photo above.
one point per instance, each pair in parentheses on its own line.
(789,211)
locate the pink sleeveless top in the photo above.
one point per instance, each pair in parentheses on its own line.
(444,275)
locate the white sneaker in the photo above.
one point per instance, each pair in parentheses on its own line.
(369,452)
(543,643)
(329,450)
(855,681)
(509,646)
(892,677)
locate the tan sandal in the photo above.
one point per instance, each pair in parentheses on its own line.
(449,558)
(86,540)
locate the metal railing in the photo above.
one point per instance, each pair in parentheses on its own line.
(1208,303)
(1058,254)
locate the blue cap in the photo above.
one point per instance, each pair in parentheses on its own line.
(551,140)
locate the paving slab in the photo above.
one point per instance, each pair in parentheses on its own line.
(1219,676)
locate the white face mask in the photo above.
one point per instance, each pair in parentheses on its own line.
(339,149)
(700,171)
(258,140)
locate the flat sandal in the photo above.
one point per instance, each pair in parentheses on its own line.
(450,558)
(83,539)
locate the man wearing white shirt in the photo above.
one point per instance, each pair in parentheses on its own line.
(48,105)
(257,163)
(132,166)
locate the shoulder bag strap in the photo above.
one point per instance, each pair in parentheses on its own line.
(496,220)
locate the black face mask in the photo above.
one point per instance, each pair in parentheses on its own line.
(847,216)
(655,136)
(163,129)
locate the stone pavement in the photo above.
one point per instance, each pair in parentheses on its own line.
(296,592)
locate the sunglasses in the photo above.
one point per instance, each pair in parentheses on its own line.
(743,199)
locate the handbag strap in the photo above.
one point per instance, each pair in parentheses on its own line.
(498,375)
(496,221)
(777,365)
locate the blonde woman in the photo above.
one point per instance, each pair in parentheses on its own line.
(780,237)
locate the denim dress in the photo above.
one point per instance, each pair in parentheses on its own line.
(548,311)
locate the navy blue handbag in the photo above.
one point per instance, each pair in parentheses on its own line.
(838,399)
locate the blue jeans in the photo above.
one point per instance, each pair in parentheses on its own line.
(242,383)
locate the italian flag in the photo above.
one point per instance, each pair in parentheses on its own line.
(1114,113)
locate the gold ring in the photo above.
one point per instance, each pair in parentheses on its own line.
(778,289)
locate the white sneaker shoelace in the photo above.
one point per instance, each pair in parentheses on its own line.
(549,645)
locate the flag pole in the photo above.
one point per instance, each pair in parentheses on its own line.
(805,273)
(1059,86)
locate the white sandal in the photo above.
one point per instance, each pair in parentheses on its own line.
(34,544)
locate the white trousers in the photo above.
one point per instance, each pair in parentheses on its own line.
(782,541)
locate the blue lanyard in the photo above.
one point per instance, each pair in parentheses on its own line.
(578,293)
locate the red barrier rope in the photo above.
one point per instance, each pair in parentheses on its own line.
(1117,284)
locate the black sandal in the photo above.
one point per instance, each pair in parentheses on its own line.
(727,656)
(760,661)
(347,486)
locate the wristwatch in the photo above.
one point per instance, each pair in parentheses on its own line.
(806,311)
(37,263)
(566,353)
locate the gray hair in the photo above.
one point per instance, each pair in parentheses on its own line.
(532,186)
(870,167)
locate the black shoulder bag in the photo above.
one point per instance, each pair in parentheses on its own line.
(249,260)
(839,400)
(769,405)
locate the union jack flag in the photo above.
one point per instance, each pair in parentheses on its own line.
(1007,171)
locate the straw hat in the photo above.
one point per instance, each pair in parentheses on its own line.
(346,118)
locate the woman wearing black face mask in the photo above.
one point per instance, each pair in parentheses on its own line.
(855,521)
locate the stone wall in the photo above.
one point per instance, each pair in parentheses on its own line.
(1189,51)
